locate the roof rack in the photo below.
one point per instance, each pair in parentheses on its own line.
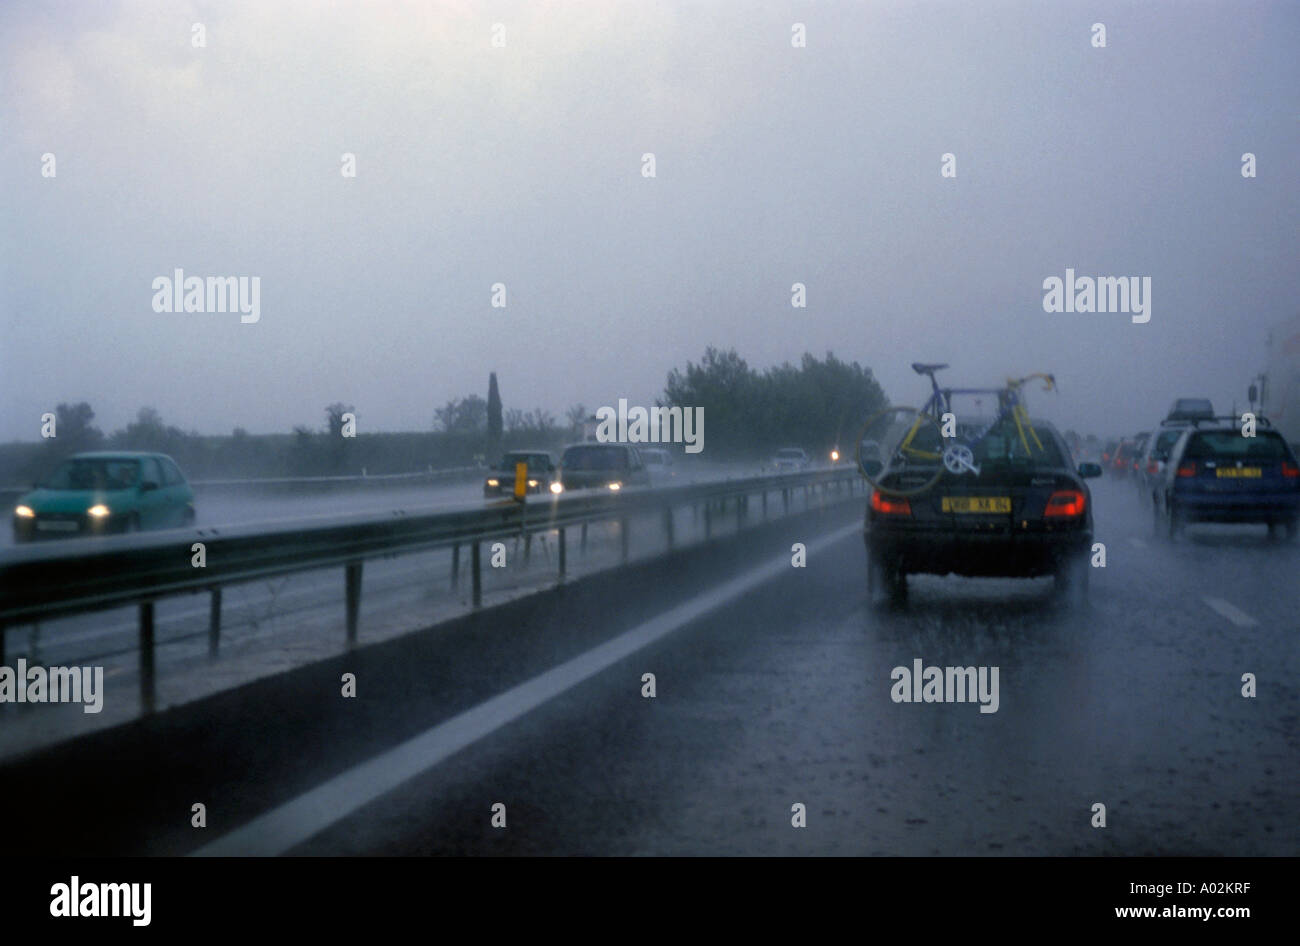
(1234,419)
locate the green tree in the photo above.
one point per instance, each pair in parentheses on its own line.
(816,405)
(464,415)
(725,386)
(338,450)
(73,431)
(576,415)
(494,420)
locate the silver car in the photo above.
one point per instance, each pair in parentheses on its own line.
(791,460)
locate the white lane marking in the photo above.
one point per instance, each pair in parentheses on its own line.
(1231,612)
(1136,542)
(298,819)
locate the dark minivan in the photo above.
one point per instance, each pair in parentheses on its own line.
(602,466)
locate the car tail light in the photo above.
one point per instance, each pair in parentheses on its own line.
(1153,468)
(1290,470)
(890,505)
(1187,469)
(1105,458)
(1065,503)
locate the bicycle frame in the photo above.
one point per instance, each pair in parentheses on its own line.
(960,456)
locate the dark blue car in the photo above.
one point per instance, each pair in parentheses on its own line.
(1216,474)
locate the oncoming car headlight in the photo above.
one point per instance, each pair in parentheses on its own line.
(494,482)
(532,482)
(616,486)
(24,512)
(97,511)
(557,487)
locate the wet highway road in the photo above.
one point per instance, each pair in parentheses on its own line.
(783,697)
(773,689)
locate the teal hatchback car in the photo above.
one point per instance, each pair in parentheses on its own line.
(102,493)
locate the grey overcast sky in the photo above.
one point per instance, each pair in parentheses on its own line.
(522,165)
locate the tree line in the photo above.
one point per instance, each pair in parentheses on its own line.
(816,405)
(748,414)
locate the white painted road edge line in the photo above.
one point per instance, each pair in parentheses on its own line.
(292,823)
(1231,612)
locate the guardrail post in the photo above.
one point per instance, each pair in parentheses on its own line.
(584,538)
(742,507)
(476,569)
(785,498)
(622,537)
(765,505)
(146,657)
(455,566)
(352,595)
(214,622)
(708,519)
(668,525)
(528,547)
(564,558)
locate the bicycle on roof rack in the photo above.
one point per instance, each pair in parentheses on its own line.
(903,451)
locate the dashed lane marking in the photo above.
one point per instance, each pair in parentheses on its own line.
(1231,612)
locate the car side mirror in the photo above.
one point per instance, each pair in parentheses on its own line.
(872,467)
(1089,470)
(147,486)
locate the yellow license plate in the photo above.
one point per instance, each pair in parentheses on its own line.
(1239,472)
(985,504)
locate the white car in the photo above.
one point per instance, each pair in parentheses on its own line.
(791,460)
(658,463)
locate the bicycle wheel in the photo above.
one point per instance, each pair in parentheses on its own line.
(900,451)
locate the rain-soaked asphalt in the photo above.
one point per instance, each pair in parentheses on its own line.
(781,696)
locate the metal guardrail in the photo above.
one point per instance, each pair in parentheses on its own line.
(57,580)
(429,475)
(10,494)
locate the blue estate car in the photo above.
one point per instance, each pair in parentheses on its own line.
(1215,474)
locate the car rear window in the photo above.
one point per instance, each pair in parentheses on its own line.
(1003,445)
(1164,443)
(1231,445)
(151,473)
(171,473)
(595,458)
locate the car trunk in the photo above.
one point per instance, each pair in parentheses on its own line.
(1225,477)
(995,501)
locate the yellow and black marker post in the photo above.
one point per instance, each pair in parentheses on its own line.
(521,481)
